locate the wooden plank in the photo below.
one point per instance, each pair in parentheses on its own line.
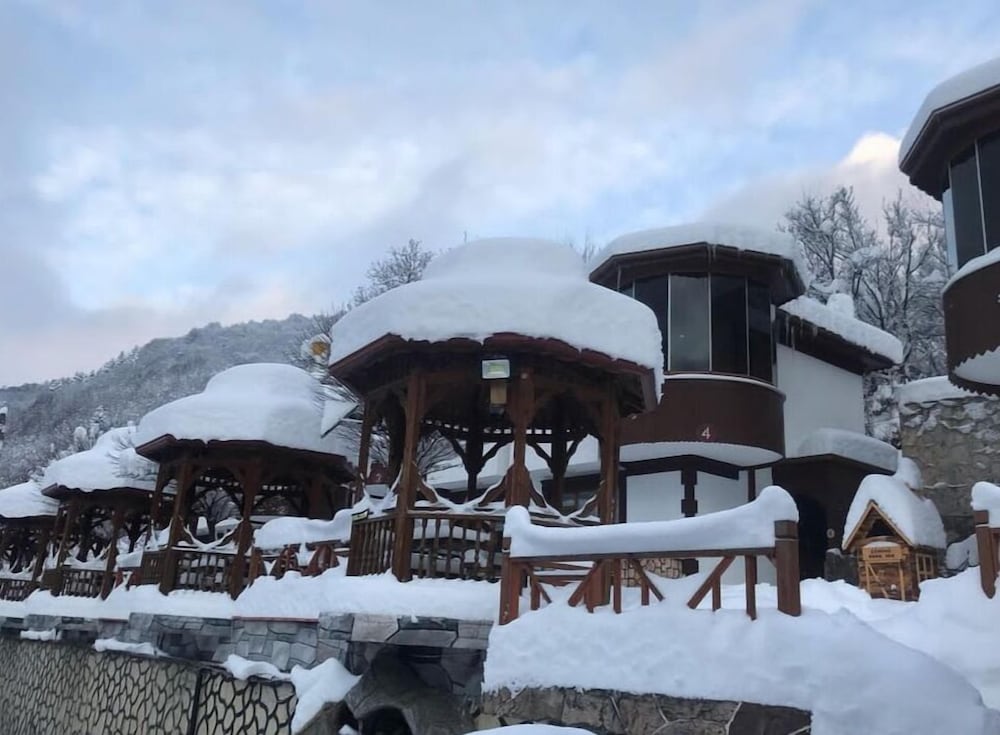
(750,576)
(986,545)
(710,583)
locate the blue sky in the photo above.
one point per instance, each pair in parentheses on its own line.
(170,164)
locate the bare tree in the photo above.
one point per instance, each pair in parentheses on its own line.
(402,265)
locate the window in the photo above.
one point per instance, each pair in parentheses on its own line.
(966,208)
(711,322)
(689,323)
(760,346)
(989,180)
(729,324)
(655,293)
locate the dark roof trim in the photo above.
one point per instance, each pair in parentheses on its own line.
(803,336)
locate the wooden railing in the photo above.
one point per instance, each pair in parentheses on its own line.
(598,577)
(150,568)
(74,582)
(442,545)
(205,571)
(16,589)
(988,544)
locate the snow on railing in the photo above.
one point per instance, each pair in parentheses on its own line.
(596,557)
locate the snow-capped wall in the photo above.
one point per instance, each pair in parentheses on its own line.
(954,436)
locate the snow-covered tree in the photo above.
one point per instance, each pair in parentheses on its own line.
(893,275)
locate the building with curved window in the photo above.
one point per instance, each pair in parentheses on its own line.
(762,384)
(952,152)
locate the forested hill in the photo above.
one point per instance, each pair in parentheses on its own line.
(42,417)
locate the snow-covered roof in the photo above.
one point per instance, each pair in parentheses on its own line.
(958,88)
(111,463)
(751,239)
(928,390)
(849,444)
(278,404)
(533,288)
(25,501)
(845,326)
(915,517)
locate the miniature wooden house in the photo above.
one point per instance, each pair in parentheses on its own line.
(896,536)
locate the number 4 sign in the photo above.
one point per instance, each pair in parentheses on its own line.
(705,433)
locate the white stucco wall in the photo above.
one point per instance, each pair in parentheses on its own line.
(817,395)
(657,497)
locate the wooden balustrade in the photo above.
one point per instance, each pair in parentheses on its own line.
(598,577)
(443,545)
(988,544)
(73,582)
(16,589)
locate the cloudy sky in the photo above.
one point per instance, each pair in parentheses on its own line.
(163,165)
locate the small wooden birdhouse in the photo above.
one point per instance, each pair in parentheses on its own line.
(896,536)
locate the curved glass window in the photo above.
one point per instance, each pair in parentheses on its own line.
(715,322)
(972,201)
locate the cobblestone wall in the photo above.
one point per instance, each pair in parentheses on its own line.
(956,443)
(48,688)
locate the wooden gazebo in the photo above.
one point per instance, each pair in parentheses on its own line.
(251,442)
(26,520)
(503,349)
(104,509)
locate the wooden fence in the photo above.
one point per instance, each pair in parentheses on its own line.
(598,577)
(74,582)
(988,543)
(16,589)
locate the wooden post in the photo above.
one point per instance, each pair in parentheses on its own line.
(751,485)
(521,413)
(244,535)
(689,509)
(473,459)
(71,520)
(786,561)
(416,386)
(109,570)
(185,479)
(750,569)
(609,457)
(751,561)
(364,449)
(511,582)
(4,541)
(41,552)
(987,553)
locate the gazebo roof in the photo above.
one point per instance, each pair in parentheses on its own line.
(26,501)
(252,405)
(111,464)
(504,292)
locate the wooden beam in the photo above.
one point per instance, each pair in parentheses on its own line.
(364,450)
(109,569)
(522,411)
(406,487)
(987,553)
(244,534)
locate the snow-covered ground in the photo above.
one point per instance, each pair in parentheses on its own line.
(849,659)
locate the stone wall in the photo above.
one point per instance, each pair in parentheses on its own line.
(620,713)
(956,442)
(50,688)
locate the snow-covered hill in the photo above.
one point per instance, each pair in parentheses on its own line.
(42,417)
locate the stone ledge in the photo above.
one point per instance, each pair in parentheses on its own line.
(620,713)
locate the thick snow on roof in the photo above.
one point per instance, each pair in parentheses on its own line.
(845,326)
(955,89)
(849,444)
(278,404)
(986,496)
(533,288)
(770,242)
(929,390)
(747,526)
(26,500)
(111,463)
(915,517)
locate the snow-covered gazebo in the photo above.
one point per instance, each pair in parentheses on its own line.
(26,520)
(504,348)
(896,535)
(252,444)
(104,508)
